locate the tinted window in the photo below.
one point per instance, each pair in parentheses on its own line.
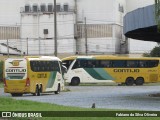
(105,63)
(132,63)
(153,63)
(44,66)
(67,63)
(86,64)
(115,64)
(148,63)
(119,63)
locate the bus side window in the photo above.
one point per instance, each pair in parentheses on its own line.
(105,64)
(153,63)
(132,63)
(143,64)
(90,64)
(119,63)
(76,65)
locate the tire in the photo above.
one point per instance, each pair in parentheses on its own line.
(75,81)
(139,81)
(58,89)
(41,88)
(129,81)
(16,94)
(37,92)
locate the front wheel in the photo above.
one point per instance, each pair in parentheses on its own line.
(75,81)
(58,89)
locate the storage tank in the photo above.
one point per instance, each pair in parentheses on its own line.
(139,46)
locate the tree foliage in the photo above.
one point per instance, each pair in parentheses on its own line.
(155,52)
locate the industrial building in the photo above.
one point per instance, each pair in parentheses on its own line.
(83,26)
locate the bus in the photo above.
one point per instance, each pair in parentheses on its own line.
(122,70)
(34,75)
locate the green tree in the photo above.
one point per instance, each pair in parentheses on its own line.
(155,52)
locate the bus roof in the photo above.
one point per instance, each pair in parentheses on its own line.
(103,57)
(69,58)
(43,58)
(109,57)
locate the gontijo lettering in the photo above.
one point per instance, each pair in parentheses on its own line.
(16,70)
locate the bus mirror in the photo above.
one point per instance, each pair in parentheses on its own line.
(63,63)
(64,69)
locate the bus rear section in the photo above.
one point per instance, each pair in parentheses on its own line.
(15,77)
(45,75)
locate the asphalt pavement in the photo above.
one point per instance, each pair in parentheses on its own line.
(110,97)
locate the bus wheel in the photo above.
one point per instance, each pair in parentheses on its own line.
(75,81)
(16,94)
(37,92)
(58,89)
(139,81)
(41,88)
(129,81)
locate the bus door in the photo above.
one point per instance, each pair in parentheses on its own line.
(76,70)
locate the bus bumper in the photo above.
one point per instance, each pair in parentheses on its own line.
(16,90)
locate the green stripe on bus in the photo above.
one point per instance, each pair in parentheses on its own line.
(103,74)
(98,73)
(51,79)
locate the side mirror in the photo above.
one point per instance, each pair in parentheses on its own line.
(64,69)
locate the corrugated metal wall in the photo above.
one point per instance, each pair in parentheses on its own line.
(7,32)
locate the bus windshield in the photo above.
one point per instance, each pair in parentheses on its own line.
(15,69)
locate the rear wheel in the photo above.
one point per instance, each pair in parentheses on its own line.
(37,92)
(75,81)
(58,89)
(129,81)
(139,81)
(16,94)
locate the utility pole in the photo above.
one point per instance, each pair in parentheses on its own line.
(55,29)
(7,48)
(27,46)
(86,41)
(75,27)
(38,35)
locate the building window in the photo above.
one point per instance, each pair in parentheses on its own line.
(43,8)
(65,7)
(45,31)
(35,8)
(27,8)
(121,9)
(50,8)
(58,7)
